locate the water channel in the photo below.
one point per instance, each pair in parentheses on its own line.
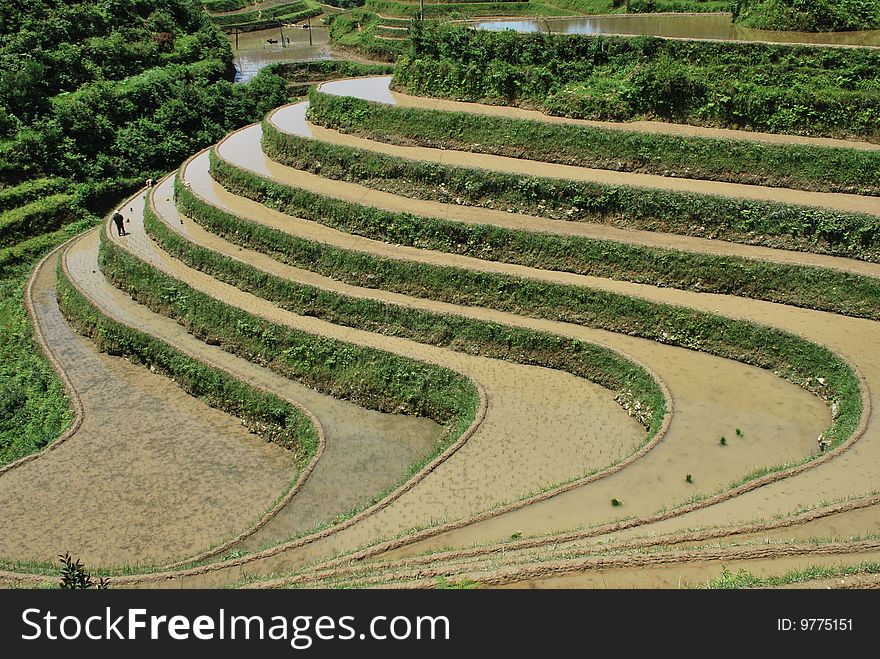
(681,26)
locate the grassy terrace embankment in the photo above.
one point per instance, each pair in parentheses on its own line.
(299,76)
(811,287)
(808,90)
(370,378)
(594,363)
(785,354)
(740,161)
(780,225)
(252,21)
(265,414)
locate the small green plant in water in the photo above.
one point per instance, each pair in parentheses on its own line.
(462,584)
(516,535)
(739,433)
(729,580)
(235,553)
(689,478)
(75,577)
(616,502)
(723,441)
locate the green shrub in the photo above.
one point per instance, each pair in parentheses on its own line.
(810,15)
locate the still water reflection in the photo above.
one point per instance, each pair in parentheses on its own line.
(687,26)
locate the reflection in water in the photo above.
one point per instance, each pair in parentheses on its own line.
(712,26)
(255,50)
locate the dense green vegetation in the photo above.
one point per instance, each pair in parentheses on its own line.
(29,191)
(769,87)
(739,161)
(265,414)
(689,6)
(95,96)
(457,9)
(802,228)
(226,5)
(33,405)
(458,333)
(810,15)
(787,355)
(273,12)
(41,215)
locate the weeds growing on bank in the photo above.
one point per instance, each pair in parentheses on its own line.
(804,167)
(807,286)
(787,355)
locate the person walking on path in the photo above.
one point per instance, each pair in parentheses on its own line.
(119,221)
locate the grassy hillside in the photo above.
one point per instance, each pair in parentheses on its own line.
(95,95)
(778,88)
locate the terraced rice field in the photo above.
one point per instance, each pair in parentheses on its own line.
(589,431)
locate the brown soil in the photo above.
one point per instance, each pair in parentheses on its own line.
(355,437)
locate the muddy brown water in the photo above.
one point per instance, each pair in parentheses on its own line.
(531,400)
(151,475)
(291,119)
(254,51)
(853,338)
(710,396)
(678,26)
(366,451)
(702,402)
(831,525)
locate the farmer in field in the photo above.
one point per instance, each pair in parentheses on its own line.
(119,221)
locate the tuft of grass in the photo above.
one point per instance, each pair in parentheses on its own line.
(460,584)
(689,478)
(739,433)
(723,441)
(616,502)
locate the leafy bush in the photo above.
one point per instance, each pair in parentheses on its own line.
(74,576)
